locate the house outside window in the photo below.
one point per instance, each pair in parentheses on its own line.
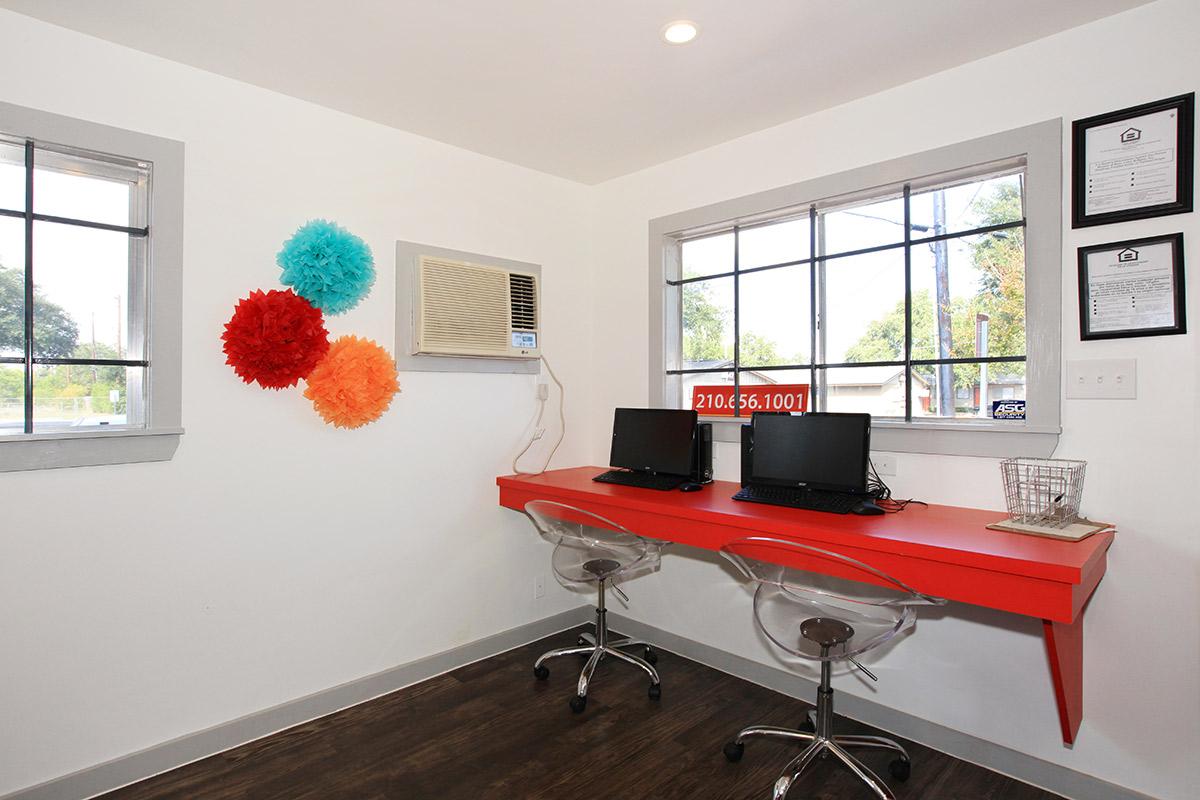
(922,291)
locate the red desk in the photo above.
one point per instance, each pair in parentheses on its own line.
(940,550)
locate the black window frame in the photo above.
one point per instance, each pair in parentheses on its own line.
(28,360)
(816,258)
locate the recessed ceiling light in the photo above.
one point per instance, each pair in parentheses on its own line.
(679,32)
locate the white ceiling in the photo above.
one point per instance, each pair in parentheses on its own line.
(578,88)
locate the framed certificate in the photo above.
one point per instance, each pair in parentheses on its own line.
(1132,288)
(1134,163)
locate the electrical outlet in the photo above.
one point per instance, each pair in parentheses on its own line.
(539,587)
(885,463)
(1106,379)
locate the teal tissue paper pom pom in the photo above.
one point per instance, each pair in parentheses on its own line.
(327,265)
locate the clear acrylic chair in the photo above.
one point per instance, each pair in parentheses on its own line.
(827,607)
(591,549)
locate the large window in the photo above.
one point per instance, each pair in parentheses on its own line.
(73,248)
(926,301)
(903,306)
(91,248)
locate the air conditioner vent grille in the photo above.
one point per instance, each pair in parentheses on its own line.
(523,294)
(465,309)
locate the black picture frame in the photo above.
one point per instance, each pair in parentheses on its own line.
(1185,150)
(1180,325)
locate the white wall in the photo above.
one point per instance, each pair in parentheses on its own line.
(978,671)
(274,556)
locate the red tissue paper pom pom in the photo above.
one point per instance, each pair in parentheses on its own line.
(354,384)
(275,338)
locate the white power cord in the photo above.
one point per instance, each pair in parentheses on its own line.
(538,430)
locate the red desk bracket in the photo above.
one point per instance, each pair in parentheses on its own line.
(1064,646)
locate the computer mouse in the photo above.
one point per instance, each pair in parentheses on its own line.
(867,509)
(690,487)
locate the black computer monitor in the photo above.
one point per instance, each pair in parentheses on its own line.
(820,451)
(656,440)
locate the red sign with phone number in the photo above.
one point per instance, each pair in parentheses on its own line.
(718,401)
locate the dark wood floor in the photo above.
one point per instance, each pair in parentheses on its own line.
(490,731)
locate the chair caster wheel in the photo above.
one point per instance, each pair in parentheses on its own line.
(651,656)
(655,691)
(578,704)
(807,726)
(900,769)
(541,673)
(734,751)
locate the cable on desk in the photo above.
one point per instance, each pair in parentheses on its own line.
(883,493)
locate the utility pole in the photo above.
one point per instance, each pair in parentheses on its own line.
(95,372)
(941,266)
(981,350)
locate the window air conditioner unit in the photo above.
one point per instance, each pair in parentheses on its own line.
(473,310)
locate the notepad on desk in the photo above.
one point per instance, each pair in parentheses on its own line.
(1080,529)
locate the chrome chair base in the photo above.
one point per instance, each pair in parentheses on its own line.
(821,742)
(820,746)
(596,647)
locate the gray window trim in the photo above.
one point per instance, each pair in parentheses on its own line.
(1041,146)
(159,439)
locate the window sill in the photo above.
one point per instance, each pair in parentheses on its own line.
(87,448)
(962,438)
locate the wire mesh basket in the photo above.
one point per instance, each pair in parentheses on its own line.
(1043,491)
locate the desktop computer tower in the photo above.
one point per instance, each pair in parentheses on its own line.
(747,452)
(702,469)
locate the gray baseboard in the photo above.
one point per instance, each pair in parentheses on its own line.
(1044,774)
(143,764)
(137,766)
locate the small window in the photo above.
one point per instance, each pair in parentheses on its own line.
(73,258)
(91,291)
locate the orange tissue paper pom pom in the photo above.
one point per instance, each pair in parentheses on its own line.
(353,384)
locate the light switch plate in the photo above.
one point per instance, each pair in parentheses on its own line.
(1102,379)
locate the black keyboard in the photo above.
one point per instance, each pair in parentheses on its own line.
(795,497)
(642,480)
